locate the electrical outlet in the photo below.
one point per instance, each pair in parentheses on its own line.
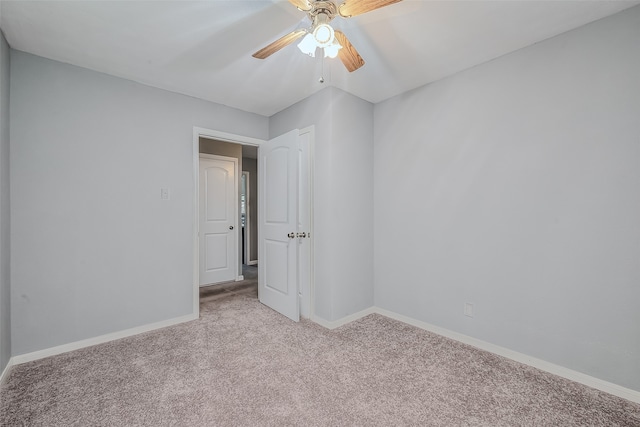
(468,309)
(164,193)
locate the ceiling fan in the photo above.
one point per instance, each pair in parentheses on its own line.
(321,34)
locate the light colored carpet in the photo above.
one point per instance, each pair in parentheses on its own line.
(243,364)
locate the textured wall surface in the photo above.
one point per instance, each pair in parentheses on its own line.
(94,248)
(515,186)
(5,210)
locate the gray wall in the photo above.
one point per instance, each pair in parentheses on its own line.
(221,148)
(343,197)
(515,185)
(5,285)
(251,166)
(227,149)
(94,248)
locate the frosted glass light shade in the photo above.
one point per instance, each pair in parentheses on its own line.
(308,45)
(332,50)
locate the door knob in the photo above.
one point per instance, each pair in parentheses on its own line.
(291,235)
(231,227)
(303,234)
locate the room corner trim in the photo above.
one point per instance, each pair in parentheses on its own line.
(64,348)
(543,365)
(6,371)
(347,319)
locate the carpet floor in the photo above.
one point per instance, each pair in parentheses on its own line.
(243,364)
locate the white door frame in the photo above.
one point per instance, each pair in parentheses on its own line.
(307,288)
(198,133)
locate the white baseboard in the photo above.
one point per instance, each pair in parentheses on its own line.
(254,262)
(579,377)
(240,278)
(5,372)
(561,371)
(41,354)
(340,322)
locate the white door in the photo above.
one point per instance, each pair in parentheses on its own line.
(218,219)
(278,224)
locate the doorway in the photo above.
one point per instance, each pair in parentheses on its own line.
(248,261)
(225,205)
(249,206)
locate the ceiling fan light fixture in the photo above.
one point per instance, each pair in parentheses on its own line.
(308,45)
(331,51)
(323,35)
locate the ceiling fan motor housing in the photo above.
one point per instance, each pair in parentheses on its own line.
(322,12)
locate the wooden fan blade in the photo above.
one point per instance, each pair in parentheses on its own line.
(303,5)
(348,54)
(279,44)
(357,7)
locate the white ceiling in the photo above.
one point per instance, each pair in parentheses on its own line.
(204,48)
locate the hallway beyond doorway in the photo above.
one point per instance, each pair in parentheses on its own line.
(248,286)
